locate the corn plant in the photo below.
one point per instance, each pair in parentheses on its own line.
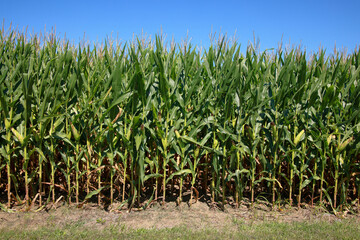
(143,121)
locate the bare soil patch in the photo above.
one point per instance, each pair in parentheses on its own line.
(199,216)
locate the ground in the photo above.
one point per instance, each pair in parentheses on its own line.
(200,217)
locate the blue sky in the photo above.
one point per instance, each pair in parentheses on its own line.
(309,23)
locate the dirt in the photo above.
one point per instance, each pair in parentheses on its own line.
(199,216)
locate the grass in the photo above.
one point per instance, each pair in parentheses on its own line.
(342,229)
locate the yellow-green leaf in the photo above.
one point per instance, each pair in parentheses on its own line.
(18,136)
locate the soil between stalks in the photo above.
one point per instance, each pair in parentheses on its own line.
(198,217)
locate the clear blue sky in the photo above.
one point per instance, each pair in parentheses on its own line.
(310,23)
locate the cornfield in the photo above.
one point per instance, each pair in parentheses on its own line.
(147,121)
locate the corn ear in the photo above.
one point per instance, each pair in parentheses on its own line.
(75,132)
(18,136)
(177,134)
(343,145)
(7,124)
(299,137)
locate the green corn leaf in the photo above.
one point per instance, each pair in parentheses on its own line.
(95,192)
(183,172)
